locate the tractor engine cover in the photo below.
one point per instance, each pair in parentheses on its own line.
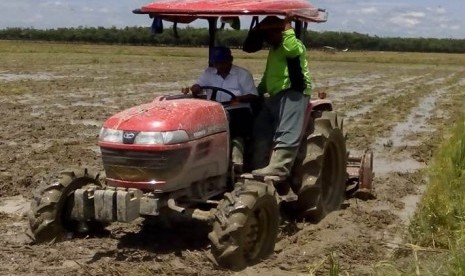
(165,145)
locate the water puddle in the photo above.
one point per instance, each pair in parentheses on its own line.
(350,86)
(435,81)
(415,123)
(384,166)
(367,107)
(16,231)
(16,205)
(380,95)
(404,135)
(410,205)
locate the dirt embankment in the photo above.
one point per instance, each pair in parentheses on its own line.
(51,115)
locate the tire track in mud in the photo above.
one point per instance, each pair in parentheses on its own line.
(397,153)
(383,116)
(363,103)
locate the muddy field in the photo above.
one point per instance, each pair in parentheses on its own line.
(54,98)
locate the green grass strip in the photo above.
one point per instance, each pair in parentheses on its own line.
(440,219)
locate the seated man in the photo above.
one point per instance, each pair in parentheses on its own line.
(239,81)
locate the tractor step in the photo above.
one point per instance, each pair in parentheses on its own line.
(266,179)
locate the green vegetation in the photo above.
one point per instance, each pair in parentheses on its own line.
(195,37)
(438,227)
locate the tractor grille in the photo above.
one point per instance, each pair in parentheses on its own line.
(140,166)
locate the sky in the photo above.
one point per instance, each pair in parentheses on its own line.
(395,18)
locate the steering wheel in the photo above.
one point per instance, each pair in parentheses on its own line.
(215,91)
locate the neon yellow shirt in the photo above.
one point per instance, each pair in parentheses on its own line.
(286,67)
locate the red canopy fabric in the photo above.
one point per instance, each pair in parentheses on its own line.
(301,9)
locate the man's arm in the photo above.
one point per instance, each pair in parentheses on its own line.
(292,46)
(202,81)
(248,90)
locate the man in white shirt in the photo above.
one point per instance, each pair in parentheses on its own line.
(239,81)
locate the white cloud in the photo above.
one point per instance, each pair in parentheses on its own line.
(52,4)
(365,11)
(88,9)
(408,19)
(34,18)
(104,10)
(370,10)
(437,10)
(403,21)
(414,14)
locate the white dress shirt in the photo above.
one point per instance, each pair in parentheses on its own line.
(239,81)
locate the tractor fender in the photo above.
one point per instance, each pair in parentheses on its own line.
(321,104)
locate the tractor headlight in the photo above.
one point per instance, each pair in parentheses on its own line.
(175,137)
(157,138)
(145,138)
(111,135)
(149,138)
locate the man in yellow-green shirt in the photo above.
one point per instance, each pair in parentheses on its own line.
(287,80)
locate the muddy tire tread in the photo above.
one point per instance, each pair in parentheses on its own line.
(230,221)
(328,129)
(45,215)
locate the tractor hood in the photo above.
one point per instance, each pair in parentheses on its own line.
(198,118)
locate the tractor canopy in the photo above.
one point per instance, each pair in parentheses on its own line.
(188,10)
(228,12)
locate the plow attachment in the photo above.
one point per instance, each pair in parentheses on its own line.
(360,176)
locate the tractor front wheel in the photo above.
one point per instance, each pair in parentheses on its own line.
(246,226)
(50,214)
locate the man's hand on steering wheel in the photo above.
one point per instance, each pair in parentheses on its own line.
(196,89)
(215,91)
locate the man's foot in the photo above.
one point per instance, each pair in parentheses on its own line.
(280,163)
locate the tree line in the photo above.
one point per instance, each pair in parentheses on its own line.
(197,37)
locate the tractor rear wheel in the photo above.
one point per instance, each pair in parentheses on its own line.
(246,226)
(50,214)
(320,174)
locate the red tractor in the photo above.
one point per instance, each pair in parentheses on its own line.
(173,154)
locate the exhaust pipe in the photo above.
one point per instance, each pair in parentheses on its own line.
(173,206)
(197,214)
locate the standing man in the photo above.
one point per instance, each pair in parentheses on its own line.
(224,74)
(287,81)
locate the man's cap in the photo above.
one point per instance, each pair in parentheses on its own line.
(220,54)
(271,23)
